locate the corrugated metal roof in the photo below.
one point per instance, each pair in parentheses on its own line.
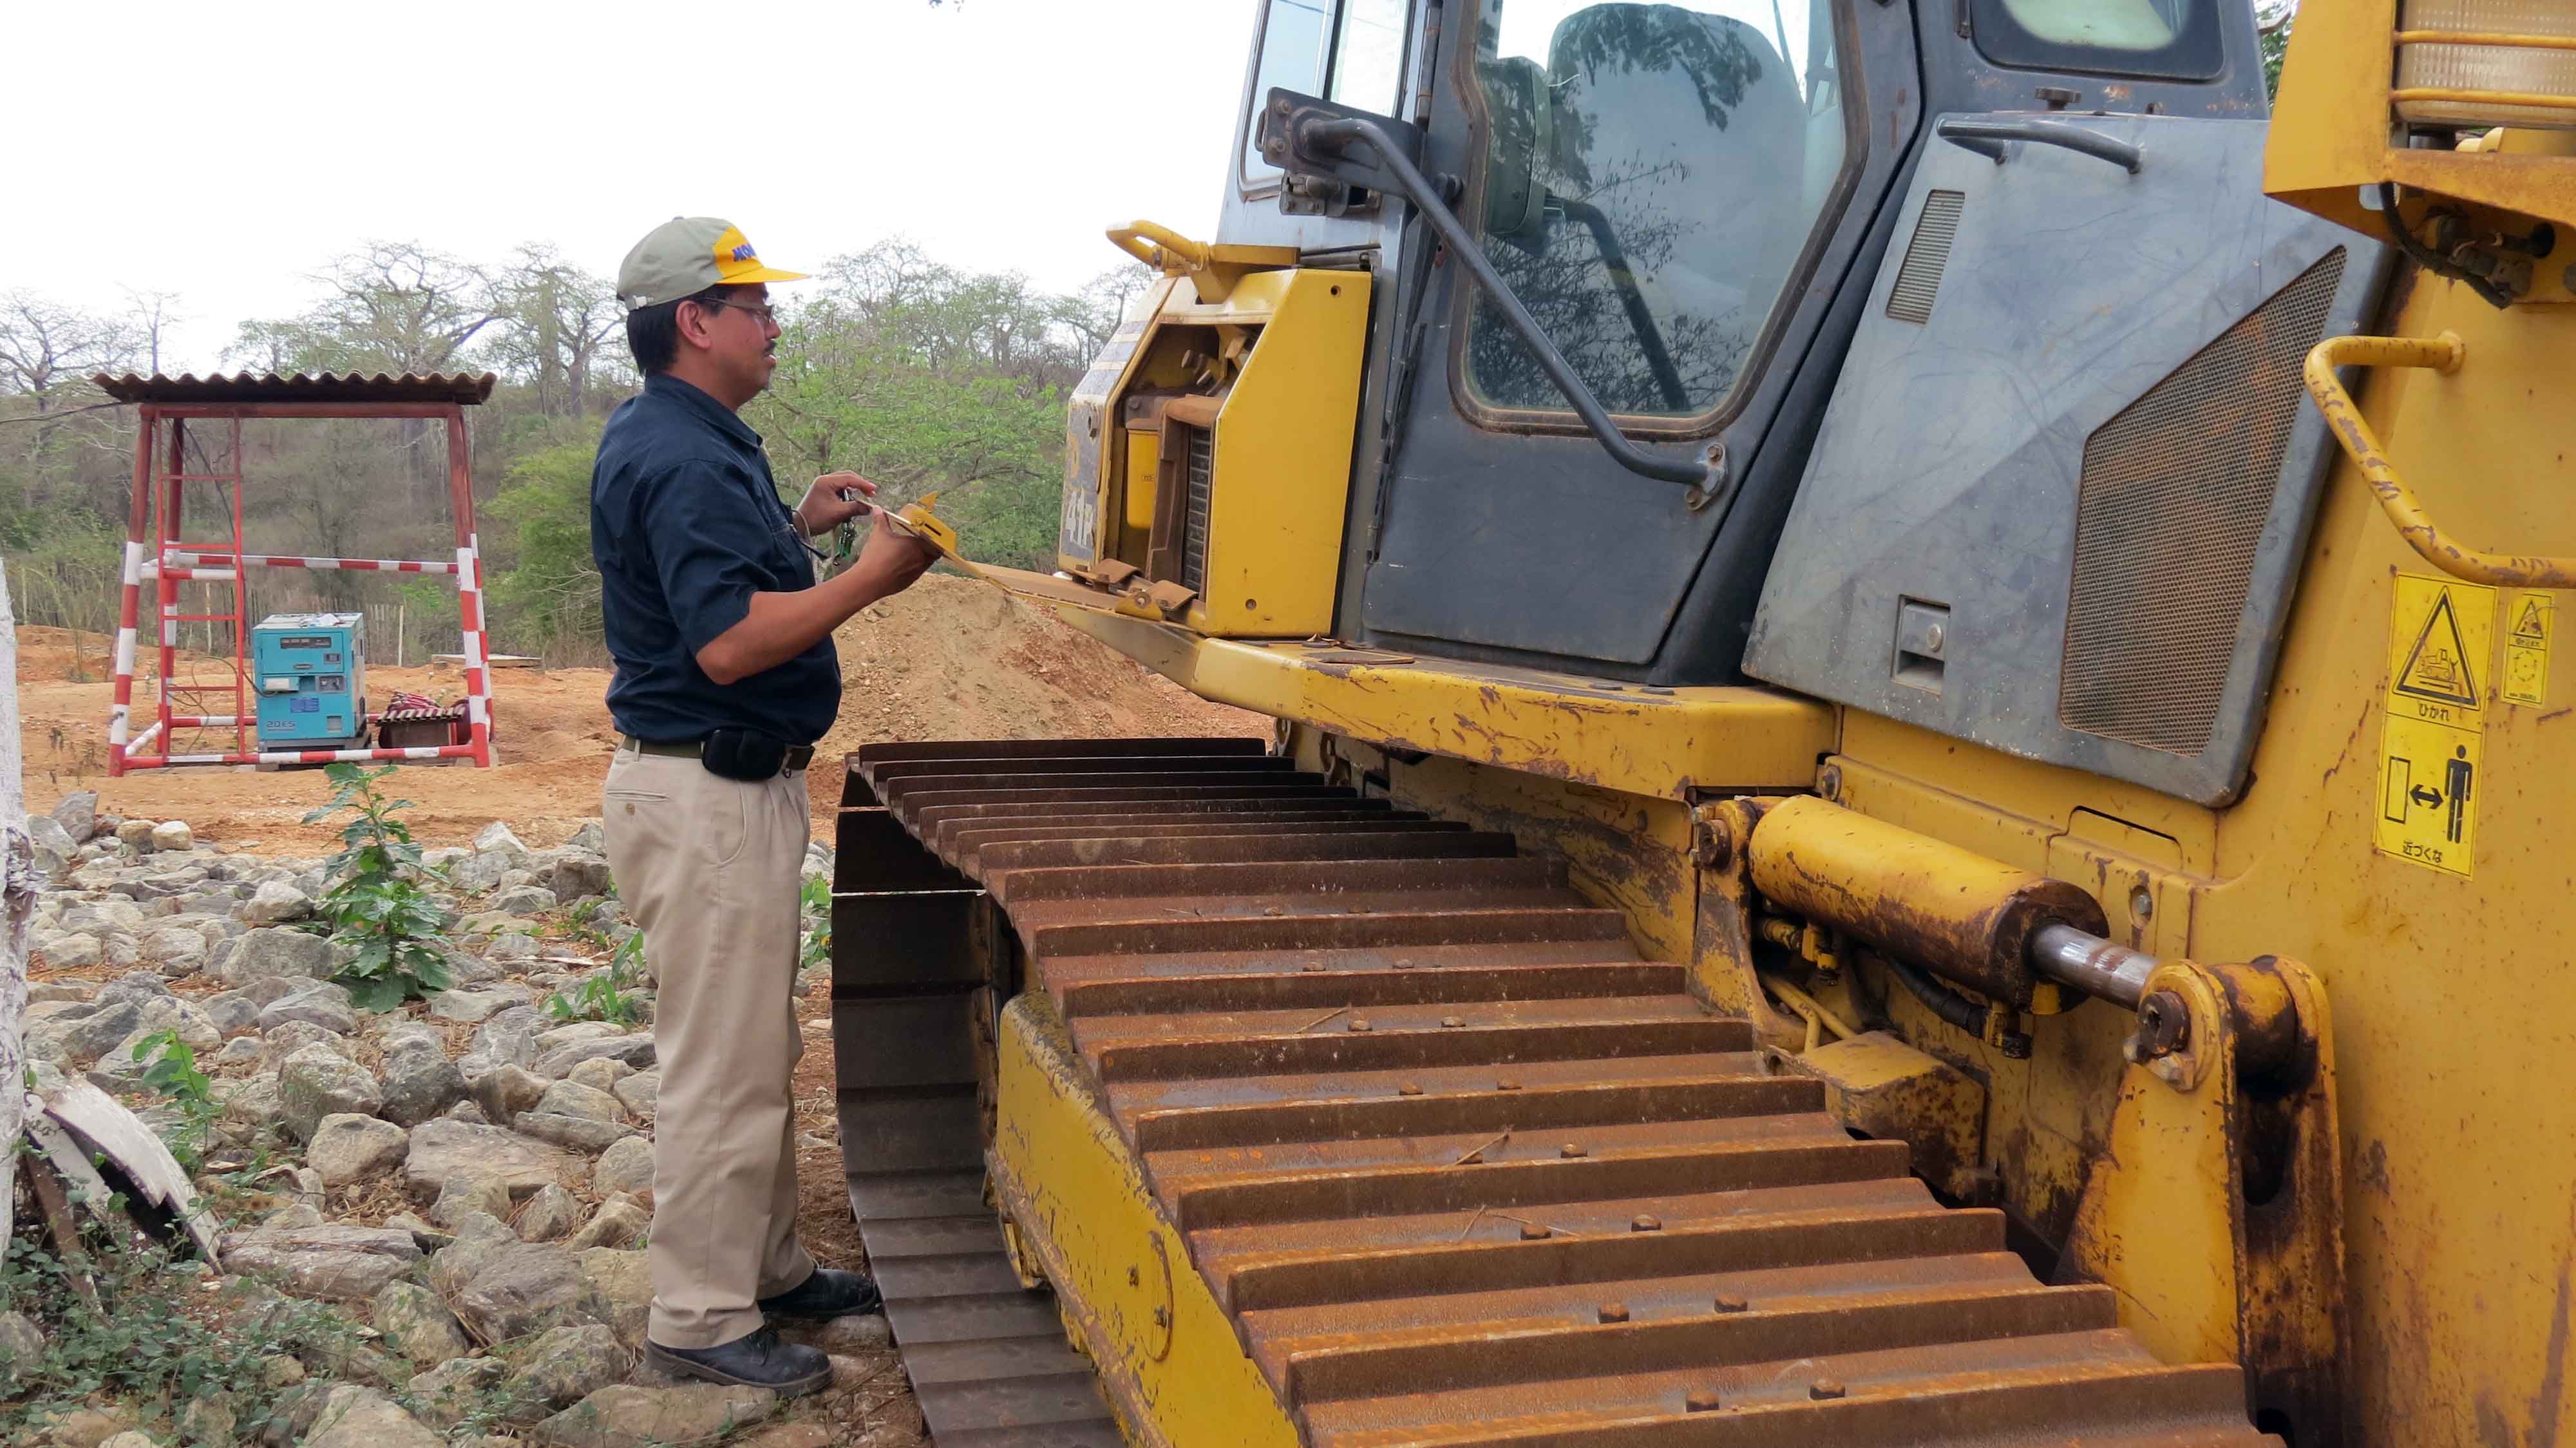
(456,387)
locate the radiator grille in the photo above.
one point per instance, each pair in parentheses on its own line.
(1194,533)
(1927,256)
(2174,497)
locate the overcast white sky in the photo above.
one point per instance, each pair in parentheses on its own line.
(225,151)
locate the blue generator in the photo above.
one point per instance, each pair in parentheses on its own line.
(311,671)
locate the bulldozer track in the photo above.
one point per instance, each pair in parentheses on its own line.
(1463,1169)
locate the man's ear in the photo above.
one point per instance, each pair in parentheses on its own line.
(695,324)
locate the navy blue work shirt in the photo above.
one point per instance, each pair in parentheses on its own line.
(686,525)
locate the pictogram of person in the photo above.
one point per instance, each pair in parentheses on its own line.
(2456,775)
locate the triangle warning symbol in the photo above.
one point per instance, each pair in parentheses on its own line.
(2530,629)
(2437,668)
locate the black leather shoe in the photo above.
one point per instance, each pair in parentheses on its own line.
(829,1293)
(757,1361)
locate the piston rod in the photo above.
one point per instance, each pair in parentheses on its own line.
(2091,964)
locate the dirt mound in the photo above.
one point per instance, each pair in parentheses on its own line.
(949,659)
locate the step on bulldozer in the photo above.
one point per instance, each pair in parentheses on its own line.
(1913,654)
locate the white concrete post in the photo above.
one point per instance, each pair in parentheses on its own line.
(17,903)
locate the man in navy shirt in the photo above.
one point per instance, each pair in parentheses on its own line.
(725,678)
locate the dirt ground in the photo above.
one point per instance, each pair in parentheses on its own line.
(948,659)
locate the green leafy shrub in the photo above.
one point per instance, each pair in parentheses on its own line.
(604,997)
(814,898)
(197,1366)
(396,927)
(173,1073)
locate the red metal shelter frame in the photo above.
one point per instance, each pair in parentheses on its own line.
(156,554)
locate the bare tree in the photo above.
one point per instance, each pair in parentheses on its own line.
(1094,312)
(392,307)
(48,348)
(154,314)
(556,320)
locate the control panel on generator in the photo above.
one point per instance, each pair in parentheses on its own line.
(311,670)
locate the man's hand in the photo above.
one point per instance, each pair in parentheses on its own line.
(893,556)
(779,626)
(824,508)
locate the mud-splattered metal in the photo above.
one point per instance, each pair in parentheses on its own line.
(1458,1165)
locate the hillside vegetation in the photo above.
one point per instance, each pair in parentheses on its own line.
(922,376)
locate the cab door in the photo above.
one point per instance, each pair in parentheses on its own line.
(1676,191)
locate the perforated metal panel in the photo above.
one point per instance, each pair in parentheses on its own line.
(2174,497)
(1927,256)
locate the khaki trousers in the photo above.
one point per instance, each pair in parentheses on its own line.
(708,870)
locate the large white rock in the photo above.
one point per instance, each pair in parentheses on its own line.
(550,1215)
(325,1260)
(276,902)
(355,1417)
(625,1415)
(78,815)
(626,1166)
(477,1005)
(173,835)
(275,951)
(568,1098)
(445,1148)
(350,1148)
(317,1082)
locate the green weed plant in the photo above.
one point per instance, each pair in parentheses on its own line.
(398,929)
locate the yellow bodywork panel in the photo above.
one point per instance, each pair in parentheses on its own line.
(1878,1084)
(1165,1352)
(2452,993)
(1279,355)
(1627,738)
(1144,451)
(1282,470)
(2332,135)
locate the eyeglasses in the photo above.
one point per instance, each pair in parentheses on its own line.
(767,316)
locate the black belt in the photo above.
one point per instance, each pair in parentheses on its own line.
(798,755)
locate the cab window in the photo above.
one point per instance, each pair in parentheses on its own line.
(1351,52)
(1652,175)
(2165,39)
(1291,55)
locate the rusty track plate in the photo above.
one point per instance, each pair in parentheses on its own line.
(1462,1167)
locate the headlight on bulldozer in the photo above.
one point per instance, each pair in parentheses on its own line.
(2470,63)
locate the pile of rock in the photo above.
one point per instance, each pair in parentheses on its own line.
(471,1173)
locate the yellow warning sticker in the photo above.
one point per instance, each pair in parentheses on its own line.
(2441,640)
(2428,790)
(2530,618)
(2441,654)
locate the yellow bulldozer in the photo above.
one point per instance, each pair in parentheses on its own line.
(1913,645)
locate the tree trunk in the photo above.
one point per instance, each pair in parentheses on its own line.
(17,903)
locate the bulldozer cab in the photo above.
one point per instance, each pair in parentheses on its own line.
(1797,251)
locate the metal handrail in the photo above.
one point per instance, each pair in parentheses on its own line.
(1704,475)
(2442,354)
(1983,137)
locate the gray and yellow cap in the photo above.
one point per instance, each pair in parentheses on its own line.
(686,255)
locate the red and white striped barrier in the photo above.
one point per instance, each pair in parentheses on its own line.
(119,715)
(302,756)
(181,558)
(478,672)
